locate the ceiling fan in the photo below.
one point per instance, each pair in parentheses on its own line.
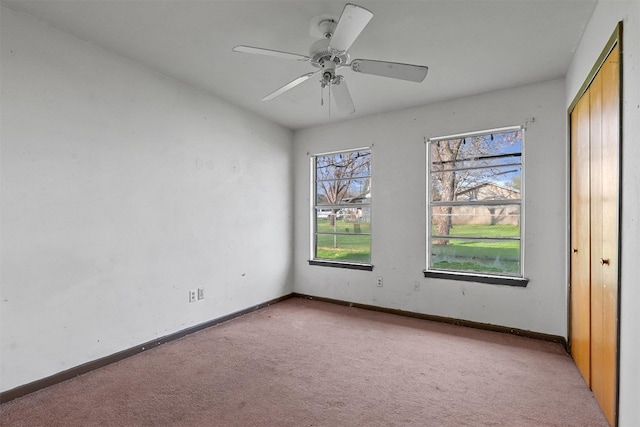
(331,53)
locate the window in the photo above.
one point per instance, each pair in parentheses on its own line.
(475,206)
(341,209)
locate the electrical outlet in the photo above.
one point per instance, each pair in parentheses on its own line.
(193,295)
(200,293)
(416,286)
(379,282)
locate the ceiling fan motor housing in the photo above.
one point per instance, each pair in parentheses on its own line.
(328,73)
(320,53)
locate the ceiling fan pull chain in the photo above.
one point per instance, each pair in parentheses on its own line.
(329,95)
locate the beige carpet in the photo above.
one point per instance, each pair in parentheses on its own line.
(308,363)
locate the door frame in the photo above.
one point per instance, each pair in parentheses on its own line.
(615,39)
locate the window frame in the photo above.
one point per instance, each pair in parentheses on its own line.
(313,206)
(472,276)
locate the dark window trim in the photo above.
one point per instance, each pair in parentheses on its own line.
(349,265)
(493,280)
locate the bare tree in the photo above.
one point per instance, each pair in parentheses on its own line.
(445,154)
(342,176)
(449,178)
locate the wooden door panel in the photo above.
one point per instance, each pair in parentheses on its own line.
(580,243)
(597,194)
(610,215)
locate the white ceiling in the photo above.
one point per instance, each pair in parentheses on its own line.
(470,46)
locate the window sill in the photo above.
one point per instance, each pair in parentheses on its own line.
(493,280)
(349,265)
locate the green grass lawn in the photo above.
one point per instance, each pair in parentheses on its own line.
(354,246)
(484,230)
(477,255)
(460,254)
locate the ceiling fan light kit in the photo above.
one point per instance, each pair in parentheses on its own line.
(331,53)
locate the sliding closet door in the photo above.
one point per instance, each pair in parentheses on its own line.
(598,349)
(604,235)
(595,181)
(580,238)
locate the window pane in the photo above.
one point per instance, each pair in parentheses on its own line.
(494,149)
(344,247)
(341,191)
(335,166)
(325,215)
(356,221)
(499,183)
(476,256)
(476,220)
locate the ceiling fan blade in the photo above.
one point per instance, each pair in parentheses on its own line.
(342,96)
(290,85)
(396,70)
(351,23)
(270,52)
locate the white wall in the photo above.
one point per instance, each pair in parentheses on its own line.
(398,210)
(604,20)
(121,190)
